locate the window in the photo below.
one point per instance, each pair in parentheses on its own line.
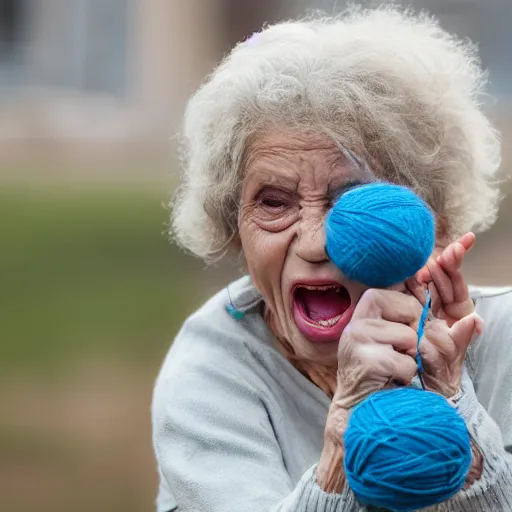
(12,31)
(70,44)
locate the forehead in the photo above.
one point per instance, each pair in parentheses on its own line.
(307,160)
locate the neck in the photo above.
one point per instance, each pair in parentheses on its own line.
(322,376)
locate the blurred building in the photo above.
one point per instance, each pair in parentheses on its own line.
(89,72)
(100,75)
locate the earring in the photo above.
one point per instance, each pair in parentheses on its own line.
(230,308)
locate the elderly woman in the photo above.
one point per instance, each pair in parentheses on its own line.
(252,402)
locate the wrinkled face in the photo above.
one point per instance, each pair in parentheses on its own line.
(290,183)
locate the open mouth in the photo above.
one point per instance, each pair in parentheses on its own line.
(321,312)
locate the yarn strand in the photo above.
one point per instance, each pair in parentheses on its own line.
(421,330)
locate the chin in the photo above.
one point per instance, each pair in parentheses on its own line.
(325,354)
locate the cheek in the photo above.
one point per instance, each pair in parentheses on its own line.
(265,254)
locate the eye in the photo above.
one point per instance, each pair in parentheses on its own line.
(275,209)
(273,199)
(272,202)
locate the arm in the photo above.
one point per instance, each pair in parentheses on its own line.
(216,449)
(492,465)
(489,358)
(493,491)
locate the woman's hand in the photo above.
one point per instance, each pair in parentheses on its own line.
(447,337)
(376,347)
(443,350)
(443,276)
(378,350)
(372,355)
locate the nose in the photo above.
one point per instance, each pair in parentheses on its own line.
(310,244)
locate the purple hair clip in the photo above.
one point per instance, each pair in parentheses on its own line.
(253,38)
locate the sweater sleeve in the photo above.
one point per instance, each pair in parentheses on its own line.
(217,452)
(493,491)
(489,358)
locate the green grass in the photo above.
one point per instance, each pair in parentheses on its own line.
(88,271)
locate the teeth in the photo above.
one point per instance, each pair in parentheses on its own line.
(326,287)
(329,322)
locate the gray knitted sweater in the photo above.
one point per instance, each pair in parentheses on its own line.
(236,428)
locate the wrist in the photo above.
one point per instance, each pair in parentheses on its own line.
(455,399)
(330,472)
(477,465)
(337,421)
(447,389)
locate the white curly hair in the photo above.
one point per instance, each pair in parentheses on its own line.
(388,85)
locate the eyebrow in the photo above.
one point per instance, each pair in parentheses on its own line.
(267,177)
(335,193)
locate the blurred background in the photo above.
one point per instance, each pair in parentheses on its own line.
(91,95)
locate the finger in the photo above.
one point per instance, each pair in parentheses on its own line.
(459,286)
(399,336)
(442,281)
(423,275)
(465,242)
(416,289)
(390,305)
(450,262)
(468,240)
(404,369)
(452,256)
(437,343)
(462,331)
(429,348)
(435,300)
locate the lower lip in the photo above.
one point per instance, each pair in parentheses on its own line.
(319,333)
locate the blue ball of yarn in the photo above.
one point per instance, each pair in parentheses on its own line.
(406,449)
(379,234)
